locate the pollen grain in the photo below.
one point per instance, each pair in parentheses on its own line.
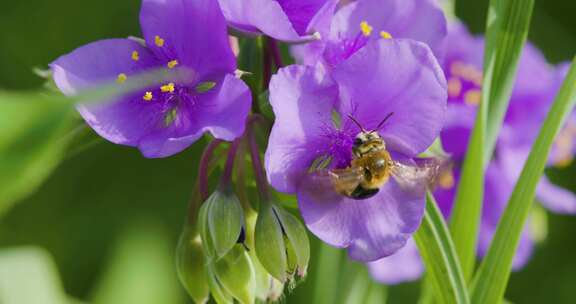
(172,64)
(121,78)
(169,88)
(148,96)
(366,28)
(158,41)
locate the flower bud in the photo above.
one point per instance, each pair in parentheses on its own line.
(267,288)
(233,276)
(221,221)
(281,243)
(190,266)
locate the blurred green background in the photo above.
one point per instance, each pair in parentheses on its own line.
(110,218)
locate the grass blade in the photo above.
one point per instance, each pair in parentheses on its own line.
(327,274)
(506,31)
(490,282)
(439,255)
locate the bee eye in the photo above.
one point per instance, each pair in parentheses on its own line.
(357,141)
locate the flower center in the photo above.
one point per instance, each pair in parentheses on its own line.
(346,47)
(464,83)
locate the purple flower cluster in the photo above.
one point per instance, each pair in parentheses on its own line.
(188,34)
(360,63)
(362,70)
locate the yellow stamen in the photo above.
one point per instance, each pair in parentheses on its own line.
(366,28)
(169,88)
(454,87)
(135,56)
(148,96)
(121,78)
(446,179)
(385,35)
(172,64)
(158,41)
(473,97)
(456,68)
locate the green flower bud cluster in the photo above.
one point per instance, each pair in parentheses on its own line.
(233,254)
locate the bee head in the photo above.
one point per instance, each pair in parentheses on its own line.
(366,142)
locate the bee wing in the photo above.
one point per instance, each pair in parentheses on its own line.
(415,178)
(324,183)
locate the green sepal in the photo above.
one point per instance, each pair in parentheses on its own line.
(235,273)
(221,222)
(269,243)
(297,243)
(190,264)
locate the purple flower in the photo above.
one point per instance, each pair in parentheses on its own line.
(360,21)
(312,108)
(285,20)
(533,93)
(165,119)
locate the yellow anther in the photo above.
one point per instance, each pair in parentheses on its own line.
(172,64)
(385,35)
(366,28)
(121,78)
(135,56)
(169,88)
(148,96)
(473,97)
(158,41)
(454,87)
(457,68)
(446,180)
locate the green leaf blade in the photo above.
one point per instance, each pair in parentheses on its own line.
(506,32)
(490,283)
(439,255)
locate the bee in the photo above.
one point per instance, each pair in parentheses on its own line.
(372,167)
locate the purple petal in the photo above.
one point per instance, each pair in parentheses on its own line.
(221,111)
(287,20)
(554,198)
(460,45)
(301,12)
(194,33)
(496,194)
(395,76)
(457,129)
(532,96)
(420,20)
(403,266)
(302,101)
(124,121)
(370,229)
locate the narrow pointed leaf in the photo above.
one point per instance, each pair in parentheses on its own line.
(490,283)
(440,259)
(506,31)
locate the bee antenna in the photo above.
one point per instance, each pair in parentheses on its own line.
(383,121)
(357,123)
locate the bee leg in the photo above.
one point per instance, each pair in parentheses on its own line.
(361,193)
